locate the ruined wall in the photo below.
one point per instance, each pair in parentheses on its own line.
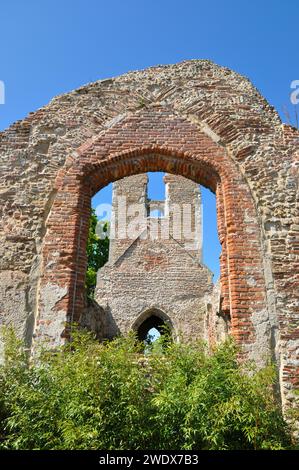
(212,121)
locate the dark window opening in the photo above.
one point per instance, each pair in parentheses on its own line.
(152,322)
(152,332)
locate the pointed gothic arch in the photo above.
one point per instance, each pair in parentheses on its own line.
(135,151)
(153,317)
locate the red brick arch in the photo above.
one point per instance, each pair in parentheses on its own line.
(154,140)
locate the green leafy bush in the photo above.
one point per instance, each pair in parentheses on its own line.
(88,395)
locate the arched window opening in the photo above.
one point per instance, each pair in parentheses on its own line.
(151,330)
(152,322)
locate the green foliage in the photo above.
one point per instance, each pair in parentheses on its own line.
(97,252)
(88,395)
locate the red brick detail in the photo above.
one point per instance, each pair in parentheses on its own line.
(224,269)
(157,140)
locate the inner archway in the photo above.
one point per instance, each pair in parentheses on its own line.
(152,325)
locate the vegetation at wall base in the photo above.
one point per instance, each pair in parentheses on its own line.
(91,395)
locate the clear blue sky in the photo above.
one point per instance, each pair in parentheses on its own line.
(49,47)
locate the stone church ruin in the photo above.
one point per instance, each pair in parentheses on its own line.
(195,120)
